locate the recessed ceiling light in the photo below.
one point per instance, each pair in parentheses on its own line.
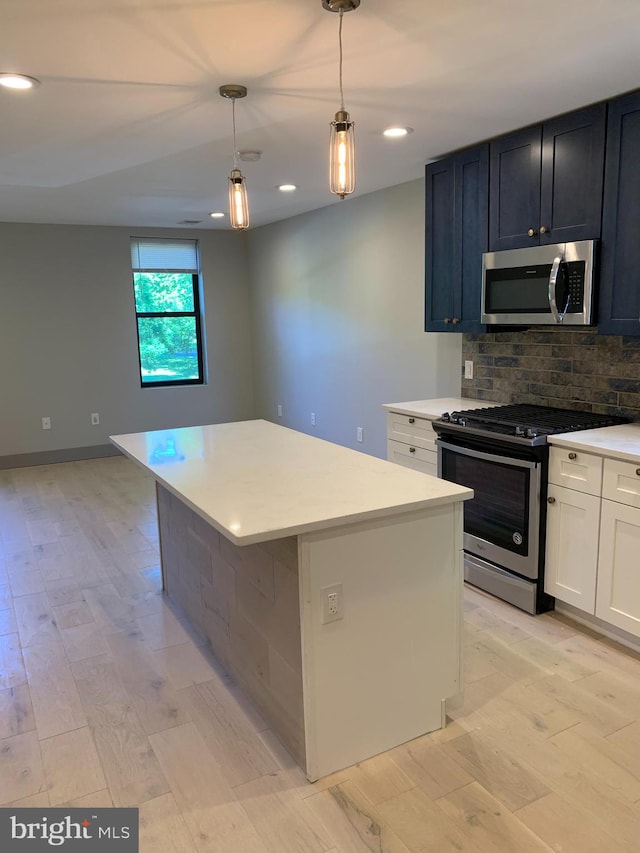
(287,188)
(216,215)
(17,81)
(396,132)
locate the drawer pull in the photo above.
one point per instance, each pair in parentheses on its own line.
(638,472)
(573,456)
(551,500)
(412,420)
(412,450)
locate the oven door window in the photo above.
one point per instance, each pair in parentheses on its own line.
(499,510)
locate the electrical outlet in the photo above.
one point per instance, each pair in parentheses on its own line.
(468,370)
(313,418)
(332,609)
(279,410)
(46,423)
(95,418)
(359,434)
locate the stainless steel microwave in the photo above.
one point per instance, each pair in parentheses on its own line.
(540,285)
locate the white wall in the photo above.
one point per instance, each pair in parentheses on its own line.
(337,300)
(68,338)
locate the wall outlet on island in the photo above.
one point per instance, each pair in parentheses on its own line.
(468,370)
(359,434)
(95,418)
(313,418)
(279,410)
(332,603)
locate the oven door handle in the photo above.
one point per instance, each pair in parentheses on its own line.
(487,457)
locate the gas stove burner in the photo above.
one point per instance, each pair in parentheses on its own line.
(523,423)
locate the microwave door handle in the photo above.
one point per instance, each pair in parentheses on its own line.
(553,280)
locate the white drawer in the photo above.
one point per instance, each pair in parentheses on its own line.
(575,470)
(621,482)
(411,430)
(413,457)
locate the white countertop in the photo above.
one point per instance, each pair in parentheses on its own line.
(434,408)
(254,481)
(616,442)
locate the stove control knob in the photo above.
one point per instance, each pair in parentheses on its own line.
(531,432)
(461,421)
(446,416)
(520,430)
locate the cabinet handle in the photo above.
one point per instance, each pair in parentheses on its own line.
(412,450)
(455,320)
(412,420)
(532,232)
(573,456)
(544,229)
(638,472)
(447,319)
(551,500)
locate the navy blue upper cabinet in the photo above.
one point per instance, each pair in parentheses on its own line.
(620,258)
(514,205)
(546,182)
(456,236)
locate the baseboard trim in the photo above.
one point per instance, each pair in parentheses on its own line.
(612,632)
(51,457)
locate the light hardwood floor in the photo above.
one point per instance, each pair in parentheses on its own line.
(108,698)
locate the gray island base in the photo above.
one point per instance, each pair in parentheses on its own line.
(334,692)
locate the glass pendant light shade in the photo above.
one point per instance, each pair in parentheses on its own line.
(238,203)
(342,169)
(342,148)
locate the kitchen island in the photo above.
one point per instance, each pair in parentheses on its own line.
(327,582)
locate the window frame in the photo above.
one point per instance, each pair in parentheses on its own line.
(160,315)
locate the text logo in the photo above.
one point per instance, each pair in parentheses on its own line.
(73,830)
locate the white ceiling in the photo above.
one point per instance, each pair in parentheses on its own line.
(128,127)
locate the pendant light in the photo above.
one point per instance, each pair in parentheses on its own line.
(238,204)
(342,174)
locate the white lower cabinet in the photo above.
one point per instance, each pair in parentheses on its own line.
(573,521)
(618,596)
(593,536)
(411,442)
(413,457)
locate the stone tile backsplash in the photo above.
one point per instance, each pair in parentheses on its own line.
(572,369)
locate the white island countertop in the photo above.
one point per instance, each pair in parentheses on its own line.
(255,481)
(616,442)
(434,408)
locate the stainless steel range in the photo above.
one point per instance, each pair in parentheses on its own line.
(502,454)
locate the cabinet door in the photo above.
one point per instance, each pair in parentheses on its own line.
(572,547)
(572,176)
(455,238)
(471,223)
(514,192)
(618,596)
(620,260)
(439,246)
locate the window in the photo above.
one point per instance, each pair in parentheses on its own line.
(166,292)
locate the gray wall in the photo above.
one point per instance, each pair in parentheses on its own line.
(68,338)
(338,317)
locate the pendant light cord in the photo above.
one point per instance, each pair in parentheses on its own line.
(340,45)
(235,147)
